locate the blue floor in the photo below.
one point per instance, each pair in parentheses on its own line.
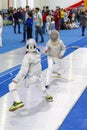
(77,118)
(12,41)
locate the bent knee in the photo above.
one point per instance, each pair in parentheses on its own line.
(12,86)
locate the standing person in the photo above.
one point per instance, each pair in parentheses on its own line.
(29,24)
(30,66)
(44,15)
(1,28)
(55,49)
(57,18)
(83,22)
(16,20)
(62,14)
(38,25)
(25,16)
(49,22)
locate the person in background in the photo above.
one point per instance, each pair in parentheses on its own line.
(29,24)
(38,25)
(83,22)
(62,14)
(1,28)
(44,15)
(57,18)
(25,16)
(48,22)
(30,71)
(16,20)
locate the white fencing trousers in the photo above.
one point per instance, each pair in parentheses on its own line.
(58,66)
(35,81)
(49,71)
(38,82)
(54,66)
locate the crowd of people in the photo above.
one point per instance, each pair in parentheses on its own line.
(43,20)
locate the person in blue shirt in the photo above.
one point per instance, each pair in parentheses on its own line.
(29,25)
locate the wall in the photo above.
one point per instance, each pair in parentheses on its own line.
(53,3)
(0,5)
(38,3)
(3,4)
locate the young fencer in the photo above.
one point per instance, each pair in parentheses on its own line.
(55,50)
(30,66)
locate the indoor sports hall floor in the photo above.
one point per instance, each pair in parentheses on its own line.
(68,111)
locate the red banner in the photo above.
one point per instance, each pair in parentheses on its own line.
(76,5)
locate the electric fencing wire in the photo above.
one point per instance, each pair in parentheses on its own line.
(72,47)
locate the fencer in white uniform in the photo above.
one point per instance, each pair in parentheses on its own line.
(55,50)
(1,28)
(30,70)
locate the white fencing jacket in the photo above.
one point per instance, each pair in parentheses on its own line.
(30,65)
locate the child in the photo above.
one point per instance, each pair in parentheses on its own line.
(30,66)
(55,49)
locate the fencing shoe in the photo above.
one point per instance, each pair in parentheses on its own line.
(47,86)
(49,98)
(16,105)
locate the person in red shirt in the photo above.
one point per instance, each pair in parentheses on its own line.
(57,19)
(44,15)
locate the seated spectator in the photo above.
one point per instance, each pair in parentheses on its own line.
(72,25)
(64,26)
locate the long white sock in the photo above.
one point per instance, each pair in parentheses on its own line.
(16,95)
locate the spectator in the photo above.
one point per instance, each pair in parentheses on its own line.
(57,19)
(29,24)
(25,16)
(83,22)
(48,22)
(16,20)
(38,25)
(44,15)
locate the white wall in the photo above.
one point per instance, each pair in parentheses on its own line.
(38,3)
(31,3)
(3,4)
(0,5)
(21,3)
(63,4)
(53,3)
